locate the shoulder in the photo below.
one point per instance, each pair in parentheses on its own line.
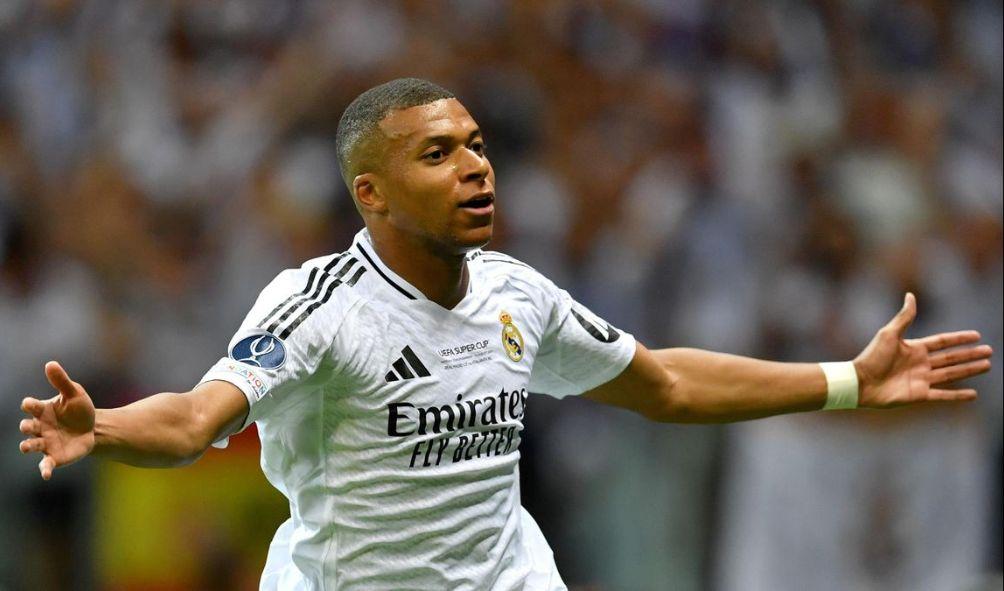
(516,274)
(320,293)
(491,262)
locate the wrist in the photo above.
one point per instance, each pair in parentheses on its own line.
(100,435)
(862,378)
(843,381)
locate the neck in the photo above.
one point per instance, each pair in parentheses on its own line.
(441,277)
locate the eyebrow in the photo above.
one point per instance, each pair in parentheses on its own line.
(446,139)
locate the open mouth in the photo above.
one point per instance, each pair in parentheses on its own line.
(479,202)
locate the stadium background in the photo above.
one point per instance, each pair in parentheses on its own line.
(760,178)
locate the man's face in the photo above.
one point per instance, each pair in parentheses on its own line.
(436,179)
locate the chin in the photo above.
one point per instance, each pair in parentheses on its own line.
(473,239)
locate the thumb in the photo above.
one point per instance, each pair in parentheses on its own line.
(904,318)
(56,375)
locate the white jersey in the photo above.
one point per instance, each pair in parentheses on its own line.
(393,425)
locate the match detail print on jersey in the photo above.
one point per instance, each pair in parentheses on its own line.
(305,304)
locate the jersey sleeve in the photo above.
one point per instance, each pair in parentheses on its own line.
(579,351)
(282,341)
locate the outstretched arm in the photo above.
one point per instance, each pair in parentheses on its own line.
(163,430)
(694,386)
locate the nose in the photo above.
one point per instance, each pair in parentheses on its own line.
(472,166)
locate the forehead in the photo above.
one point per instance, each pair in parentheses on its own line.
(442,117)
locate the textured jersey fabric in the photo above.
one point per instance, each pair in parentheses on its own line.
(393,425)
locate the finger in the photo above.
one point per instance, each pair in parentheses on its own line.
(949,339)
(954,373)
(32,406)
(29,427)
(951,395)
(31,445)
(46,466)
(960,356)
(59,379)
(902,320)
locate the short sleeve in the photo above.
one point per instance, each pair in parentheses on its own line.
(281,342)
(579,351)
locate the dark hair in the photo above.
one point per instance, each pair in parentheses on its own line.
(360,119)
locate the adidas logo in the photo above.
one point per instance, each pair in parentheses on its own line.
(407,367)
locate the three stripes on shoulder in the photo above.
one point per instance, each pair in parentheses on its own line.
(321,283)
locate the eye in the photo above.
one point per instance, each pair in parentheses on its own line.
(479,147)
(435,155)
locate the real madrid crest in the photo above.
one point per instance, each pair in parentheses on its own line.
(512,340)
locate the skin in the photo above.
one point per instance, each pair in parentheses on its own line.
(684,385)
(430,160)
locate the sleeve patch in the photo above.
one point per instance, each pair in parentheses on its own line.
(257,385)
(260,349)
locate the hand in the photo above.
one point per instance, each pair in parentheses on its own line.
(893,371)
(63,426)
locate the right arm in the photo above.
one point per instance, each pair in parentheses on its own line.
(169,429)
(175,429)
(163,430)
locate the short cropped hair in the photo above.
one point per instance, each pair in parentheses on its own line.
(360,120)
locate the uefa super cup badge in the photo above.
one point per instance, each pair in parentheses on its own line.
(512,340)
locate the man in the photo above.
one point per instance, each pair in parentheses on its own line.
(389,382)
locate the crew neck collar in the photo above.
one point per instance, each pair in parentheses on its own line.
(363,246)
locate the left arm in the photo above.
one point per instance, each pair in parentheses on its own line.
(695,386)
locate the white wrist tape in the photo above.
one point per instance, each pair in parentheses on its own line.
(841,385)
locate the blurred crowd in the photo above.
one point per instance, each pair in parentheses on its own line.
(762,178)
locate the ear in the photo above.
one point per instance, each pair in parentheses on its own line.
(368,194)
